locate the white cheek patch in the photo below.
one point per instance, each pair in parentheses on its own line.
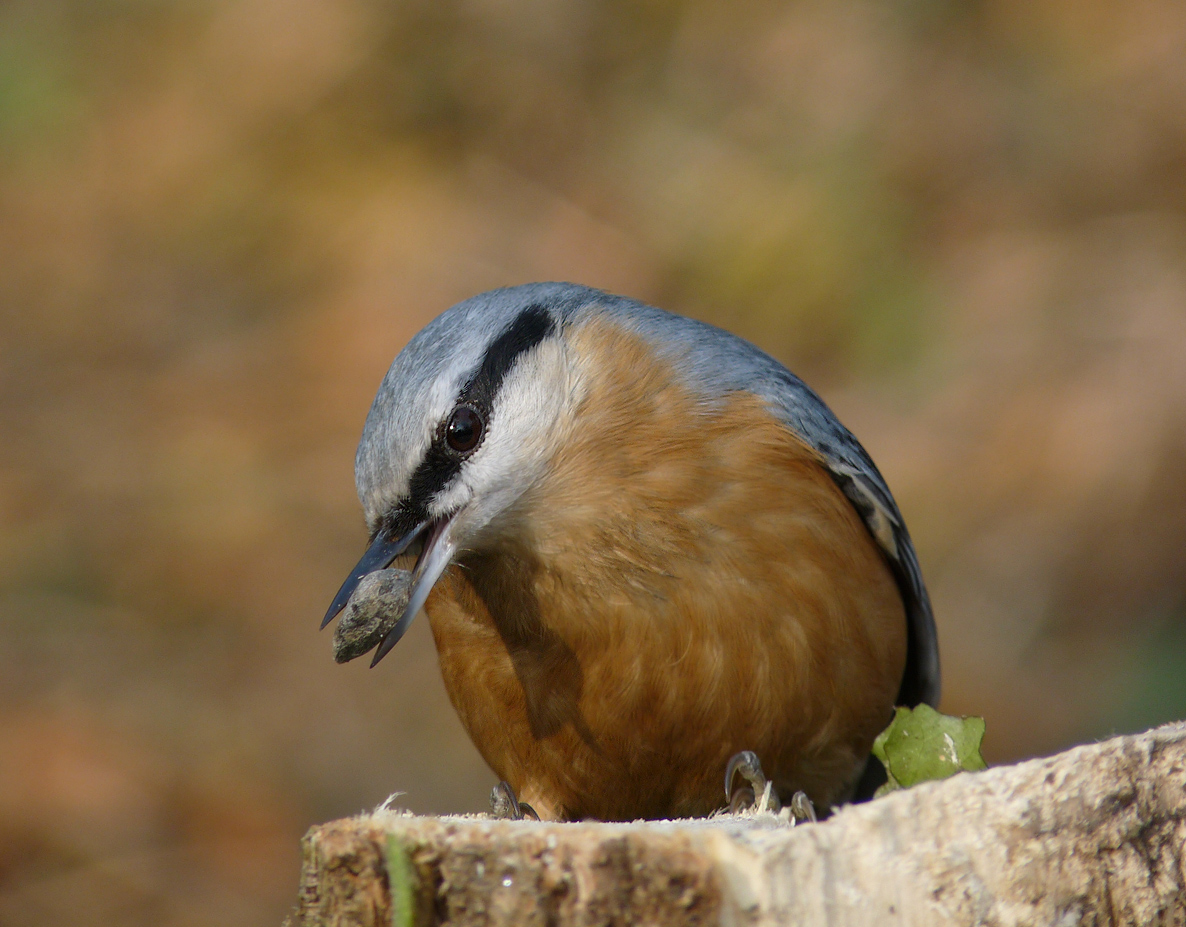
(531,413)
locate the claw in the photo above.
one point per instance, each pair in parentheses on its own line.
(506,807)
(503,803)
(801,808)
(746,762)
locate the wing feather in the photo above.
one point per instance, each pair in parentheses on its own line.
(862,483)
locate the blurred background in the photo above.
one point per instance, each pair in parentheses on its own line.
(963,223)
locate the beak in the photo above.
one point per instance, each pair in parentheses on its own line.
(378,557)
(437,554)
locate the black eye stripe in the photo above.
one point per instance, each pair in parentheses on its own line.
(530,327)
(441,464)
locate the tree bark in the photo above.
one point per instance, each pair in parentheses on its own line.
(1093,836)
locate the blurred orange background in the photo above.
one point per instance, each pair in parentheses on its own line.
(963,223)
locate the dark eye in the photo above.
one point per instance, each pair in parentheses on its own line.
(464,430)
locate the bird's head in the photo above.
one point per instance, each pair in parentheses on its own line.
(462,426)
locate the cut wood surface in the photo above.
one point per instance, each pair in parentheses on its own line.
(1095,835)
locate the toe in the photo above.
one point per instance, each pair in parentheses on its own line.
(746,762)
(802,810)
(504,805)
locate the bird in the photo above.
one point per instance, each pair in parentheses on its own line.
(648,554)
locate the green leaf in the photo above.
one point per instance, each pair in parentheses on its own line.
(921,744)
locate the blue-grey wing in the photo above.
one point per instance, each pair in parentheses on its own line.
(859,479)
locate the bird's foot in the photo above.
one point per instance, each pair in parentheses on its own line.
(506,807)
(759,794)
(801,810)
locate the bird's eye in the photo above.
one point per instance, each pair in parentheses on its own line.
(464,430)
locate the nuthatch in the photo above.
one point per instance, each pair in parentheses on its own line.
(645,548)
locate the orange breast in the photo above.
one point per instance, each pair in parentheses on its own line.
(687,582)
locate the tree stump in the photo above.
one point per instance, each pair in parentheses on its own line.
(1094,836)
